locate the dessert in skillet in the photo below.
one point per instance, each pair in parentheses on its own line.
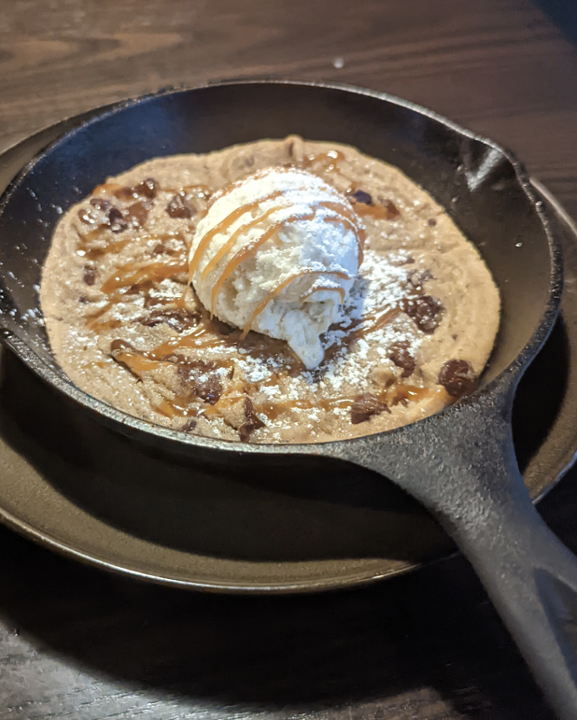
(278,291)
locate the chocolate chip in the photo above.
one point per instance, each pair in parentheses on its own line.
(400,355)
(137,213)
(158,249)
(253,422)
(432,222)
(100,203)
(147,188)
(362,197)
(199,377)
(425,311)
(365,406)
(210,390)
(114,215)
(124,193)
(115,221)
(119,346)
(393,211)
(179,208)
(90,216)
(178,319)
(87,216)
(457,378)
(189,426)
(89,274)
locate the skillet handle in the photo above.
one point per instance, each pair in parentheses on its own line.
(531,577)
(461,465)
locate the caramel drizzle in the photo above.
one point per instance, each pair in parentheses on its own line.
(85,249)
(343,215)
(329,160)
(379,212)
(179,407)
(95,323)
(128,277)
(248,250)
(391,397)
(201,336)
(222,226)
(107,187)
(342,210)
(137,362)
(233,238)
(192,340)
(377,322)
(279,288)
(125,279)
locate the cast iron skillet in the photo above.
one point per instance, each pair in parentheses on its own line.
(460,463)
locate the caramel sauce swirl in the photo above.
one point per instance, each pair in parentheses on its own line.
(249,249)
(179,407)
(131,277)
(272,410)
(227,246)
(343,214)
(377,211)
(88,250)
(223,226)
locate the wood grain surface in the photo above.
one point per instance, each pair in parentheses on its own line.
(76,643)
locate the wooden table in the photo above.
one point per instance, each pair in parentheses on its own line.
(77,643)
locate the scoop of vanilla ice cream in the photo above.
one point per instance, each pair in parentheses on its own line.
(277,252)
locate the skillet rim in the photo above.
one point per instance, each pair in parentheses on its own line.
(125,423)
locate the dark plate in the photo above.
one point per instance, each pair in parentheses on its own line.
(81,488)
